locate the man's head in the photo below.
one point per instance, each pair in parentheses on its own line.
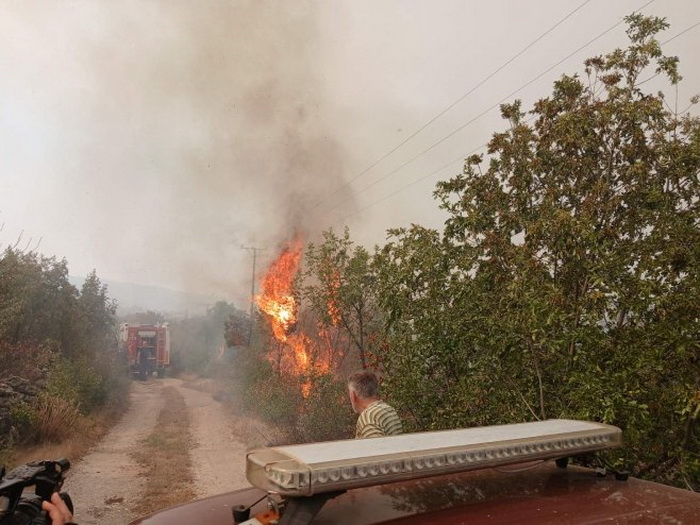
(363,387)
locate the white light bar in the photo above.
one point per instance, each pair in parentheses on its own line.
(303,470)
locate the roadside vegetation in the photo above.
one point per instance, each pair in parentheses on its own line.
(59,373)
(564,284)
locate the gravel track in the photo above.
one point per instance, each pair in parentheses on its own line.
(107,482)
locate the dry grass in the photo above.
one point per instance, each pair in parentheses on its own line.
(164,457)
(57,420)
(76,443)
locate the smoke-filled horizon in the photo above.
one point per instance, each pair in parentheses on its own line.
(155,141)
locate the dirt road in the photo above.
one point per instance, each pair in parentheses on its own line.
(106,484)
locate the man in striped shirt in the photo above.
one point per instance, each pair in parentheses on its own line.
(377,418)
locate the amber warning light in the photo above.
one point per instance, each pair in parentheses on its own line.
(303,470)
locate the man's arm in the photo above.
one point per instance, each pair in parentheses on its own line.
(370,430)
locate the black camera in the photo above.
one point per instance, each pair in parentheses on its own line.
(18,505)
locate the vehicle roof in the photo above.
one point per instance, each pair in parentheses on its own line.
(537,493)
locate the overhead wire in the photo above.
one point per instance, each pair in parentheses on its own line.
(453,104)
(490,108)
(462,157)
(493,106)
(696,24)
(423,177)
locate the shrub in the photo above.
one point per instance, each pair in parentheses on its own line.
(24,418)
(26,360)
(325,414)
(75,382)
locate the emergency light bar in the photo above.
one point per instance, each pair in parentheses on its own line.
(303,470)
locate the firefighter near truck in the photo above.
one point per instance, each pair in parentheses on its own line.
(146,347)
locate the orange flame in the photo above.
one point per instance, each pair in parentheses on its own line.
(279,302)
(277,297)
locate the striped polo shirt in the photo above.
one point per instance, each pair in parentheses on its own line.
(378,419)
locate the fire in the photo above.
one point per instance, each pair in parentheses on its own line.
(280,303)
(278,300)
(277,297)
(300,343)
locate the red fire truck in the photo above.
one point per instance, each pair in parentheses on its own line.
(147,348)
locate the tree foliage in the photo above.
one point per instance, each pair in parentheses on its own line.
(37,302)
(340,289)
(565,283)
(59,338)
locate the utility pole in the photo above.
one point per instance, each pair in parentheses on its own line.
(254,251)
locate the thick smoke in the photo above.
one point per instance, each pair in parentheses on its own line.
(263,154)
(182,131)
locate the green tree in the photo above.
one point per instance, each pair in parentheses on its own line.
(37,303)
(340,290)
(97,315)
(57,337)
(569,266)
(432,348)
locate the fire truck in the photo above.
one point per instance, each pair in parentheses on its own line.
(147,348)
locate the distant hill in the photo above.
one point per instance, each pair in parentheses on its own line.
(132,298)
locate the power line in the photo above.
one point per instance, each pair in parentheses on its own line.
(420,179)
(453,104)
(254,250)
(696,24)
(462,157)
(506,98)
(387,197)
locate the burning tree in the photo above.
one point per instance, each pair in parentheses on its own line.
(280,303)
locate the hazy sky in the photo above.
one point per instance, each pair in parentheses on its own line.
(150,140)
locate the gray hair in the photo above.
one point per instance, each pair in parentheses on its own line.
(365,384)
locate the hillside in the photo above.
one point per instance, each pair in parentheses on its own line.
(133,298)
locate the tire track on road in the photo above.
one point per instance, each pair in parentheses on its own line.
(218,457)
(106,483)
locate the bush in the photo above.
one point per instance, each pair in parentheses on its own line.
(276,401)
(26,360)
(114,382)
(325,414)
(24,418)
(52,419)
(76,383)
(256,389)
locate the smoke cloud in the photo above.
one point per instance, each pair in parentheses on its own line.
(182,131)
